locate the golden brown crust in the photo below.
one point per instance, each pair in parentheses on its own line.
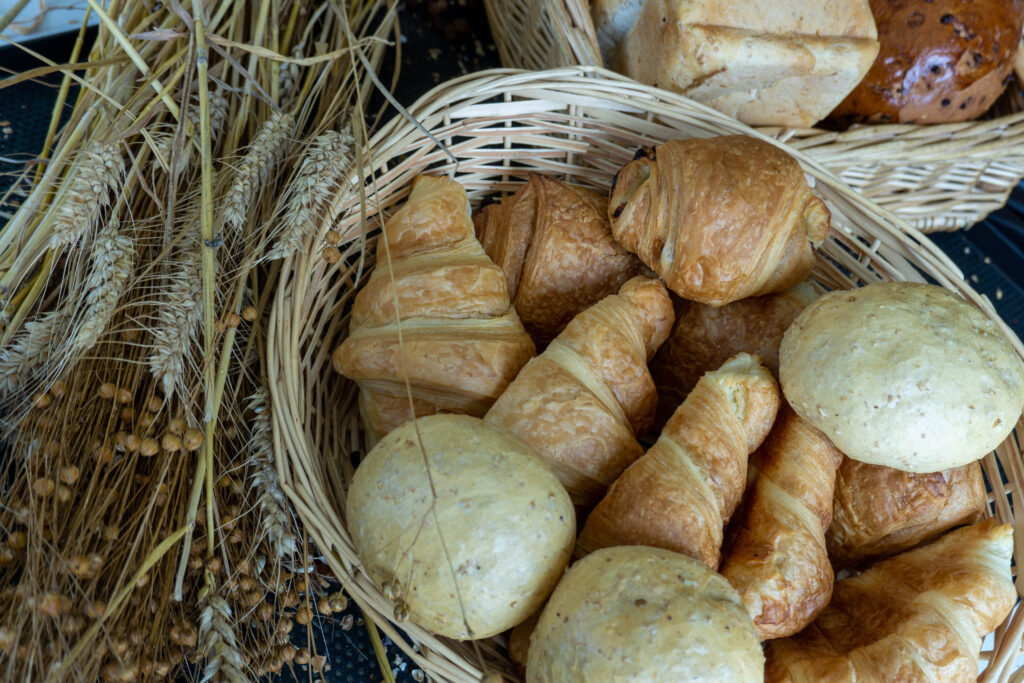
(680,494)
(919,616)
(461,342)
(704,337)
(940,61)
(555,245)
(880,511)
(583,401)
(719,219)
(778,562)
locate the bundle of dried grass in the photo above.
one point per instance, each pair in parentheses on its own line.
(144,524)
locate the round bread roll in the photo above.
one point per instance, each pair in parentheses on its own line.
(939,61)
(634,613)
(904,375)
(505,521)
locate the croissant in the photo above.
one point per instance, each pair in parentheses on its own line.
(778,562)
(556,247)
(719,219)
(681,493)
(581,403)
(706,336)
(880,511)
(919,616)
(461,341)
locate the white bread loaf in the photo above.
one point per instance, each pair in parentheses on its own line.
(761,61)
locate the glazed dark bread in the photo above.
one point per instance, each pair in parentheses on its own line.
(462,340)
(903,374)
(719,219)
(778,562)
(634,613)
(582,403)
(764,62)
(919,616)
(706,336)
(880,511)
(940,61)
(555,245)
(681,493)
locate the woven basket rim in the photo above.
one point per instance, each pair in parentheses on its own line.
(313,435)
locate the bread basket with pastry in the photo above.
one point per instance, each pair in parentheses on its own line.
(937,132)
(665,372)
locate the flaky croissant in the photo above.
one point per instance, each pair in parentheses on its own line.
(880,511)
(556,247)
(461,341)
(777,561)
(719,219)
(704,337)
(681,493)
(919,616)
(582,402)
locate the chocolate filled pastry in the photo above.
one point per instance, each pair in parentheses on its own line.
(719,219)
(556,247)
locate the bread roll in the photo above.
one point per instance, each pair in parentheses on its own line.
(940,61)
(508,525)
(880,511)
(719,219)
(555,245)
(904,375)
(705,336)
(764,62)
(634,613)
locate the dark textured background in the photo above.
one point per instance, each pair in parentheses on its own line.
(443,39)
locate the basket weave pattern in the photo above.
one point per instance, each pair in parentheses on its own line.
(581,125)
(943,177)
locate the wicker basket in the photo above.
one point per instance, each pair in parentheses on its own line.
(499,125)
(943,177)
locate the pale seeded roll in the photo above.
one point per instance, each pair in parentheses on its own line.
(904,375)
(634,613)
(507,524)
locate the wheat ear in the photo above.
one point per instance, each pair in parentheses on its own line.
(223,660)
(318,179)
(270,498)
(91,180)
(178,317)
(265,153)
(113,261)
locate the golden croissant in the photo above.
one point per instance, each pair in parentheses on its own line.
(582,402)
(719,219)
(880,511)
(681,493)
(919,616)
(556,247)
(459,342)
(777,561)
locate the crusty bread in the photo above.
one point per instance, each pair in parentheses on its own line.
(902,374)
(761,61)
(940,61)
